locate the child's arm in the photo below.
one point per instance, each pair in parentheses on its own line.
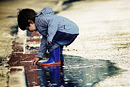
(42,50)
(43,47)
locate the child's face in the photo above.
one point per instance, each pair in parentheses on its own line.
(32,27)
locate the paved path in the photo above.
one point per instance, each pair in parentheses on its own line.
(104,34)
(8,25)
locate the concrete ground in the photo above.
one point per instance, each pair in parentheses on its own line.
(104,32)
(8,26)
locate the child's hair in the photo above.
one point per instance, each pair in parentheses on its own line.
(23,16)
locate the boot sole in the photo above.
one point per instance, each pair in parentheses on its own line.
(52,64)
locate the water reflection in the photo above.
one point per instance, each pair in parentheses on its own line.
(50,76)
(76,72)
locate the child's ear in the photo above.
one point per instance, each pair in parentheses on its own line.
(30,21)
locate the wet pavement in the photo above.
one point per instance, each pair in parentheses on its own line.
(104,34)
(76,71)
(98,58)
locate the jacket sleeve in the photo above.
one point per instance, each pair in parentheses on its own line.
(52,28)
(43,47)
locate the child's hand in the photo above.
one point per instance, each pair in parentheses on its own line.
(48,42)
(35,60)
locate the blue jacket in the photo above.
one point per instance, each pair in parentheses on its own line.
(48,24)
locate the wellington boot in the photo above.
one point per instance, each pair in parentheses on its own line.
(61,55)
(54,58)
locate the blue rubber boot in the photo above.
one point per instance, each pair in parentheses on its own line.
(54,58)
(61,55)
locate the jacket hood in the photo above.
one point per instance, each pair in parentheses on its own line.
(46,11)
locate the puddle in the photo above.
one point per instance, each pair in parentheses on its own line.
(76,72)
